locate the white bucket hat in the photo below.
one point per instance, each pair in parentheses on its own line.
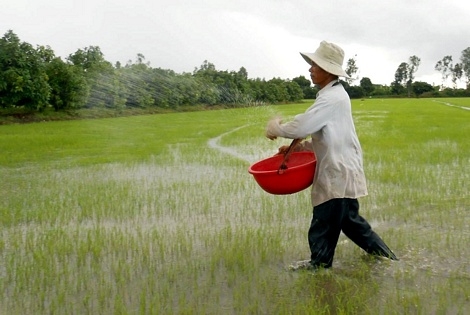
(329,57)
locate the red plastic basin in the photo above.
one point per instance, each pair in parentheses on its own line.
(298,175)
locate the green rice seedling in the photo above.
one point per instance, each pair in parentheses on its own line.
(158,215)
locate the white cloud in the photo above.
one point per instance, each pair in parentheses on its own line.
(263,36)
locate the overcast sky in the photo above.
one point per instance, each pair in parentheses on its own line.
(264,36)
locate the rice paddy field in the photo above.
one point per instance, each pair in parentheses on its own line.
(158,215)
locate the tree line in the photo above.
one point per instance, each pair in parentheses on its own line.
(404,84)
(404,76)
(34,78)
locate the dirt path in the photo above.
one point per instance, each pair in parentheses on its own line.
(452,105)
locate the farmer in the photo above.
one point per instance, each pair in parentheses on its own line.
(339,176)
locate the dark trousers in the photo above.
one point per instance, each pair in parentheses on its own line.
(334,216)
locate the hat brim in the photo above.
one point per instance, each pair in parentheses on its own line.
(311,58)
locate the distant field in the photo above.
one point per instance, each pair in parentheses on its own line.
(157,214)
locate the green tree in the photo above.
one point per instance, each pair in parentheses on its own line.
(242,83)
(355,91)
(294,91)
(351,70)
(444,66)
(118,89)
(137,80)
(413,64)
(242,73)
(421,87)
(367,86)
(68,85)
(457,72)
(276,91)
(308,91)
(401,76)
(465,59)
(207,93)
(381,90)
(23,79)
(257,89)
(45,53)
(98,72)
(90,60)
(163,87)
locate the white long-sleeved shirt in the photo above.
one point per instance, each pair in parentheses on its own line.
(339,172)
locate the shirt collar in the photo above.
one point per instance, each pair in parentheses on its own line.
(332,83)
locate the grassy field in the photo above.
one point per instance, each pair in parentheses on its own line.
(157,214)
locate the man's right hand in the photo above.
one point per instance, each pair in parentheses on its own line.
(283,149)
